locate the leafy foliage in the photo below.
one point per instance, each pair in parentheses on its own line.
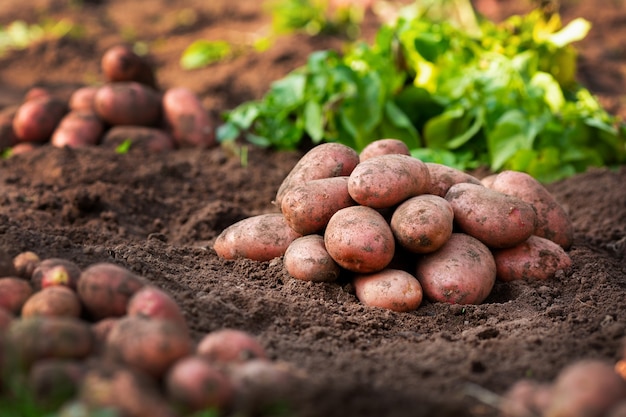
(498,95)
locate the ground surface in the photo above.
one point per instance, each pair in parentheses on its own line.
(158,215)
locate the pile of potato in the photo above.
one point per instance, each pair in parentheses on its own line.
(403,229)
(102,337)
(127,109)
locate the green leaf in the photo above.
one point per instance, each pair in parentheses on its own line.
(227,132)
(553,95)
(507,137)
(576,30)
(124,147)
(314,121)
(288,92)
(202,53)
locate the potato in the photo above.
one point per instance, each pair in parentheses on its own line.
(384,147)
(525,398)
(53,382)
(77,129)
(194,384)
(120,63)
(188,121)
(37,118)
(307,259)
(151,345)
(146,139)
(443,177)
(128,103)
(462,271)
(392,289)
(55,271)
(323,161)
(25,264)
(105,288)
(101,330)
(82,99)
(496,219)
(6,317)
(35,338)
(7,134)
(422,224)
(386,180)
(153,302)
(261,238)
(308,207)
(586,388)
(553,223)
(359,239)
(58,301)
(36,93)
(13,293)
(534,259)
(230,345)
(23,147)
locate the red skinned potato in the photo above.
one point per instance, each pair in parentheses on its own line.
(525,398)
(587,388)
(463,271)
(77,129)
(386,180)
(384,147)
(188,121)
(53,382)
(5,321)
(54,301)
(36,119)
(82,99)
(443,177)
(105,288)
(194,384)
(151,345)
(536,258)
(553,223)
(359,239)
(13,293)
(307,259)
(392,289)
(308,207)
(55,271)
(128,103)
(25,264)
(7,134)
(120,63)
(423,224)
(153,302)
(323,161)
(259,238)
(146,139)
(496,219)
(230,346)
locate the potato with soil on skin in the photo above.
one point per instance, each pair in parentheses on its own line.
(442,177)
(525,398)
(536,258)
(496,219)
(105,288)
(384,147)
(153,302)
(553,222)
(359,239)
(230,345)
(6,317)
(307,259)
(54,301)
(146,139)
(55,271)
(423,224)
(120,63)
(463,271)
(32,339)
(260,238)
(82,99)
(101,330)
(151,345)
(392,289)
(25,264)
(128,103)
(186,118)
(194,384)
(13,293)
(586,388)
(77,129)
(323,161)
(7,134)
(53,382)
(386,180)
(308,207)
(36,119)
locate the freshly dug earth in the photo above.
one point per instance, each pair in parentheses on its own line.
(159,215)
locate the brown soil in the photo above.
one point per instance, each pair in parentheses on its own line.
(159,214)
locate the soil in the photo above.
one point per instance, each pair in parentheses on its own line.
(158,215)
